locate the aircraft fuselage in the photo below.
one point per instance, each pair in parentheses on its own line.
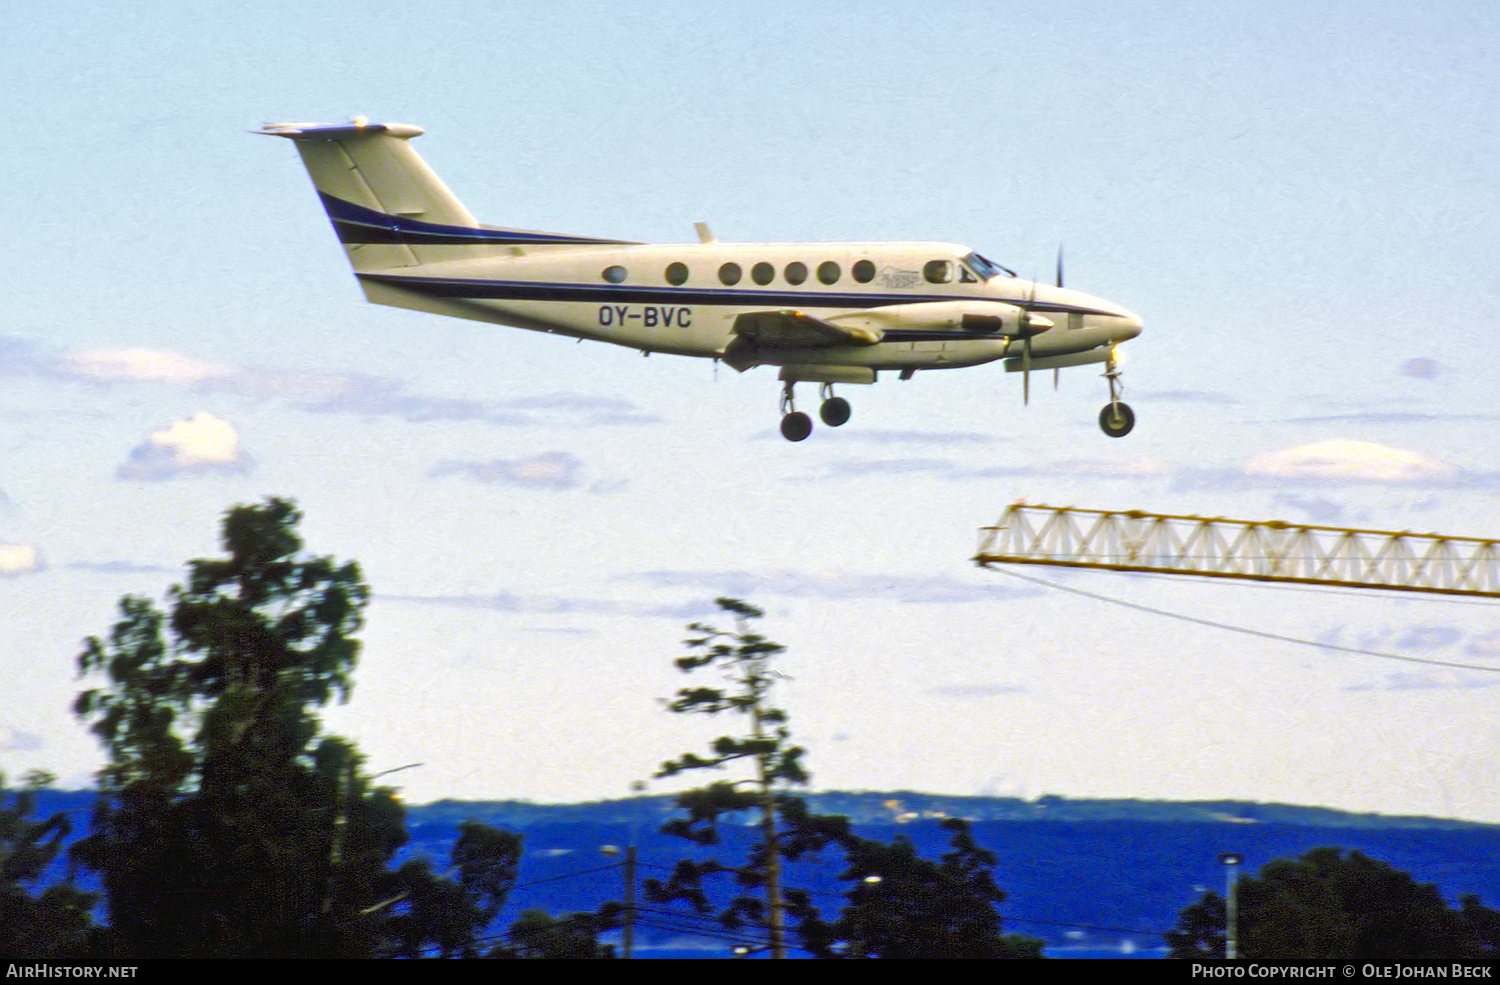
(631,295)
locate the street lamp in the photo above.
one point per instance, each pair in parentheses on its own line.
(1231,862)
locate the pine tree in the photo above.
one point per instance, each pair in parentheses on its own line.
(786,830)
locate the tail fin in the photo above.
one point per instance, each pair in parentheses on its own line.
(388,207)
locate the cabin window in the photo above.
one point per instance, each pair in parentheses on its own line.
(829,272)
(795,273)
(615,274)
(729,273)
(677,274)
(762,273)
(863,271)
(938,271)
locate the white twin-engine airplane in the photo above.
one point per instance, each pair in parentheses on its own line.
(824,312)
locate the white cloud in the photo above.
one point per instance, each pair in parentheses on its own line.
(15,740)
(201,443)
(550,470)
(1345,459)
(145,365)
(19,559)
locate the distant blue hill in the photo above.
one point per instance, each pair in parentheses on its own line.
(1090,877)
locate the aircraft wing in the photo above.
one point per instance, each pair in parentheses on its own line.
(799,330)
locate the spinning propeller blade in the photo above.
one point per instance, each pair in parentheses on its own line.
(1026,347)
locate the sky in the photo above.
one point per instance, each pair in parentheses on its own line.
(1299,200)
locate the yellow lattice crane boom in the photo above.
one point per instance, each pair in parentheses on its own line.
(1271,550)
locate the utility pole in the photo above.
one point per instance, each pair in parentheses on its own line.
(629,935)
(627,923)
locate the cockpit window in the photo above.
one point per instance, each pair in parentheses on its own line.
(986,268)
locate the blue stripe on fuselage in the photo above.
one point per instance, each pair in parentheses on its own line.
(509,290)
(357,224)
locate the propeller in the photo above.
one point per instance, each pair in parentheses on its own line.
(1057,373)
(1026,334)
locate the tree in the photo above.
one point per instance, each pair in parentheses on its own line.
(902,905)
(56,923)
(743,658)
(537,934)
(431,912)
(918,908)
(1330,905)
(228,826)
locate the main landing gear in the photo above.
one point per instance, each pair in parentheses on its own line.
(795,425)
(1116,419)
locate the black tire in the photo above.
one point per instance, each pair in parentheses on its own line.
(796,426)
(1116,420)
(835,411)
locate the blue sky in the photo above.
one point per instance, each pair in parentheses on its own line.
(1298,199)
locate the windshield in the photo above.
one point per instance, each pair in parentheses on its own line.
(986,268)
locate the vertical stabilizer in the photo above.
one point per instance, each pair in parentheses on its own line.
(387,206)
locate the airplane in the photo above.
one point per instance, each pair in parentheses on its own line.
(825,313)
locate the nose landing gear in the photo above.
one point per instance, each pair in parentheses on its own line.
(1116,419)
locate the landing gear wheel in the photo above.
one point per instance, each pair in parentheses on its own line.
(835,411)
(796,426)
(1116,419)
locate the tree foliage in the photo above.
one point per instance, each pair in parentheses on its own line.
(54,923)
(538,934)
(228,825)
(917,908)
(743,660)
(1330,905)
(901,905)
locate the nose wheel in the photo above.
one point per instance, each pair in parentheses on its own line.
(1116,419)
(796,426)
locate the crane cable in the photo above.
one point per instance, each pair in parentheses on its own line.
(1250,632)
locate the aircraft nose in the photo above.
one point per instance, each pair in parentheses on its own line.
(1130,325)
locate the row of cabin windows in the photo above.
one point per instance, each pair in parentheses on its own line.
(863,271)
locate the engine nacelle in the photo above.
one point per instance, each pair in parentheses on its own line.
(981,319)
